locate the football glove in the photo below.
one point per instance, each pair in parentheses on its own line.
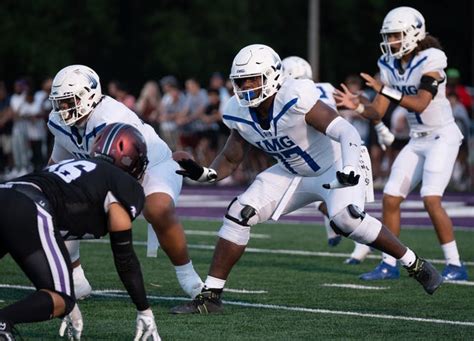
(72,325)
(146,326)
(384,135)
(196,172)
(348,177)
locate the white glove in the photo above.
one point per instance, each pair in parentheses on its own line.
(146,326)
(72,325)
(384,136)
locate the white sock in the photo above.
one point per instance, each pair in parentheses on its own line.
(184,269)
(389,259)
(214,283)
(78,272)
(408,258)
(451,253)
(360,251)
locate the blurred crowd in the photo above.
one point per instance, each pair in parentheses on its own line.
(188,116)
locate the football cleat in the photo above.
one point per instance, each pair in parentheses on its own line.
(454,273)
(332,242)
(352,261)
(206,302)
(426,275)
(382,271)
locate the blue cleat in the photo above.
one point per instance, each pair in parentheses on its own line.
(454,273)
(382,271)
(332,242)
(352,261)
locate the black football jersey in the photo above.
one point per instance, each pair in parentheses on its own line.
(79,192)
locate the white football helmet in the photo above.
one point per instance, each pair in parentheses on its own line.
(297,68)
(75,93)
(256,60)
(407,21)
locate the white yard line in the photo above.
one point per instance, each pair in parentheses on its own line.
(276,251)
(245,291)
(122,294)
(353,286)
(212,233)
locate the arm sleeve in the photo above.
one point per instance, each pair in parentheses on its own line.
(343,132)
(128,267)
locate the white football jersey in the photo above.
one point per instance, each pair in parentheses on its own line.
(78,141)
(298,148)
(438,113)
(327,92)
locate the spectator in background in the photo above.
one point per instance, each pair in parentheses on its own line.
(123,96)
(112,89)
(454,85)
(148,104)
(461,175)
(6,124)
(217,82)
(42,98)
(208,138)
(188,120)
(31,111)
(20,149)
(172,105)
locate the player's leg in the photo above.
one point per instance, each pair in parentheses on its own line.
(405,174)
(333,238)
(42,257)
(345,207)
(162,187)
(436,176)
(255,205)
(82,287)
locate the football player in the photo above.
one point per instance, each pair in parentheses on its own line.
(298,68)
(318,156)
(412,74)
(71,200)
(80,112)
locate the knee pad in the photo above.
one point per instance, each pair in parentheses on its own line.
(73,249)
(354,223)
(237,222)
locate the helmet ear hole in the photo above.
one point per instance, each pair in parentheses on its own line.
(121,145)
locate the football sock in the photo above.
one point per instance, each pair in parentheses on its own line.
(214,283)
(451,253)
(389,259)
(34,308)
(408,259)
(360,251)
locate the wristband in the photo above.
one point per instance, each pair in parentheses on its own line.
(391,94)
(360,108)
(208,175)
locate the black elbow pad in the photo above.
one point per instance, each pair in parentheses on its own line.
(430,84)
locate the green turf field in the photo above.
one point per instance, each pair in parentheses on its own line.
(294,295)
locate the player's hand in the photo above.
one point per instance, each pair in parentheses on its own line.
(371,82)
(72,325)
(348,177)
(384,136)
(196,172)
(146,326)
(346,99)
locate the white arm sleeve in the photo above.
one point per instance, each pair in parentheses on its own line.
(343,132)
(60,153)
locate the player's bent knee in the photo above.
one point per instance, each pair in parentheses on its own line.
(237,222)
(69,303)
(354,223)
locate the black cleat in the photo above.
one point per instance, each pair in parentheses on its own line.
(206,302)
(426,275)
(6,333)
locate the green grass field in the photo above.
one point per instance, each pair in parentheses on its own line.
(294,299)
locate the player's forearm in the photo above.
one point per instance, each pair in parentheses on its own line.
(343,132)
(128,267)
(374,110)
(224,166)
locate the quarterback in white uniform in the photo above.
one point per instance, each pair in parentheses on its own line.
(412,74)
(80,112)
(318,159)
(298,68)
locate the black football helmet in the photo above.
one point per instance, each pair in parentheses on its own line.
(124,146)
